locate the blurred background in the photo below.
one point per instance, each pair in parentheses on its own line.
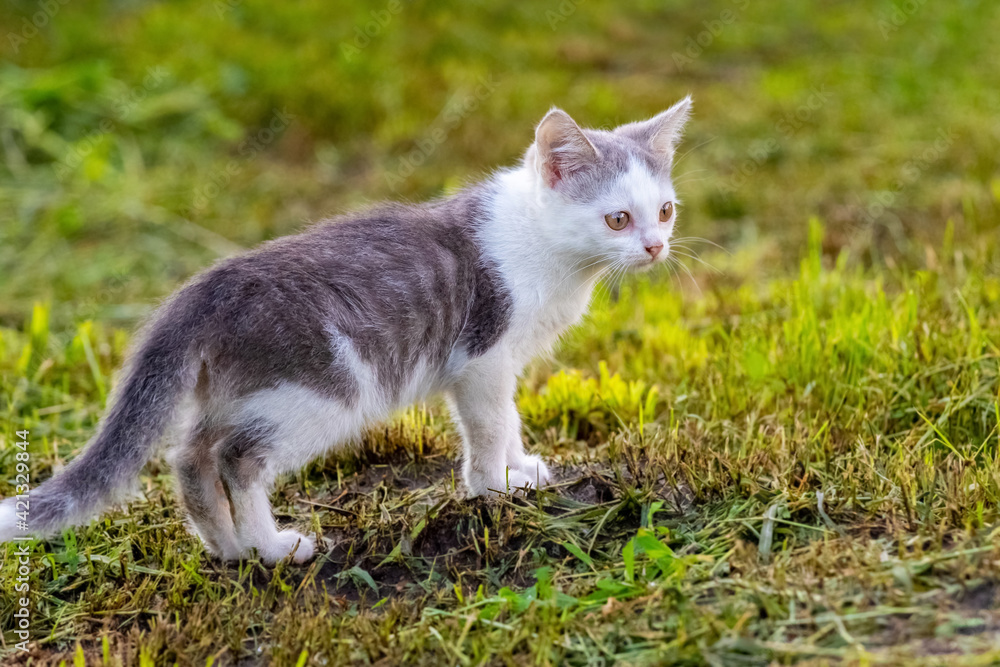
(143,140)
(838,333)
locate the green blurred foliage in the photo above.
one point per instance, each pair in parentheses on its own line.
(136,143)
(840,339)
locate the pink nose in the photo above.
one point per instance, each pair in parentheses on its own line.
(654,250)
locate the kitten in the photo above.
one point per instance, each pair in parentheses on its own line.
(270,359)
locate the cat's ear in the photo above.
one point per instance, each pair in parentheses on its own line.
(663,131)
(561,147)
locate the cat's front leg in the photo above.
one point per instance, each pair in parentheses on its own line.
(483,404)
(531,465)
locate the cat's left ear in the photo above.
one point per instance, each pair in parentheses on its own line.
(663,131)
(561,147)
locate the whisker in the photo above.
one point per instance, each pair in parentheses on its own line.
(599,276)
(684,181)
(671,270)
(688,152)
(618,277)
(701,240)
(684,178)
(688,271)
(599,258)
(674,250)
(618,265)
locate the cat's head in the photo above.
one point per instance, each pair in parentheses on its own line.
(608,195)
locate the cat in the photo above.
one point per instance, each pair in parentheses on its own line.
(271,358)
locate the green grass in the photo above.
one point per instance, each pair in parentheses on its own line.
(789,455)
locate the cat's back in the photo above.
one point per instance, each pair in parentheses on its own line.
(401,284)
(390,251)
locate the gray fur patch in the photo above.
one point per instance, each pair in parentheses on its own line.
(616,151)
(404,284)
(244,453)
(194,464)
(158,373)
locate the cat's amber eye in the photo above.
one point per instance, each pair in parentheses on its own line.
(617,220)
(667,212)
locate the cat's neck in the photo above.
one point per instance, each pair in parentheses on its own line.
(528,247)
(550,288)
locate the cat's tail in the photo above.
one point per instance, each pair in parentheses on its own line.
(160,372)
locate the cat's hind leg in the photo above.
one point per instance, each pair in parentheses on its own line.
(245,468)
(201,491)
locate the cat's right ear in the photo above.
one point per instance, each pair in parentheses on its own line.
(561,149)
(661,132)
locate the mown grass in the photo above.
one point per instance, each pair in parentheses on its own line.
(787,455)
(829,384)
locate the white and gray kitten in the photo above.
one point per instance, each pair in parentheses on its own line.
(270,359)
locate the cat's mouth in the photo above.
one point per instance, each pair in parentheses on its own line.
(643,264)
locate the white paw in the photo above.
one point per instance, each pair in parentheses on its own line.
(288,543)
(530,472)
(517,480)
(228,553)
(8,520)
(505,481)
(223,547)
(535,469)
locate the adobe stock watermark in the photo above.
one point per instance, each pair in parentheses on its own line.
(91,306)
(786,127)
(910,172)
(123,106)
(223,7)
(365,34)
(247,150)
(899,16)
(695,46)
(455,111)
(22,490)
(31,26)
(562,12)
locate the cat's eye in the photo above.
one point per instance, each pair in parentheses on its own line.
(617,220)
(667,212)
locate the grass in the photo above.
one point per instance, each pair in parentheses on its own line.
(785,453)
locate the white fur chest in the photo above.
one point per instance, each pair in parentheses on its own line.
(541,316)
(550,293)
